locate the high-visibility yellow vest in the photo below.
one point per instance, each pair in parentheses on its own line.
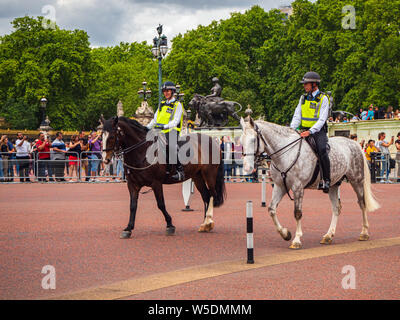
(166,113)
(310,110)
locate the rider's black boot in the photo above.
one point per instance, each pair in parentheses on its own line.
(326,173)
(179,174)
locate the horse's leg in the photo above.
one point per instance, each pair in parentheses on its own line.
(298,202)
(207,199)
(336,208)
(158,192)
(134,195)
(277,195)
(209,177)
(359,190)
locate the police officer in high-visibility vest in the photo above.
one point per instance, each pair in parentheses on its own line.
(169,118)
(310,117)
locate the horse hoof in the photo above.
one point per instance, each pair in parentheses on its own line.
(288,235)
(326,240)
(363,237)
(295,246)
(202,228)
(208,227)
(170,231)
(125,234)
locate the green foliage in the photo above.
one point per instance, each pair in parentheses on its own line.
(258,56)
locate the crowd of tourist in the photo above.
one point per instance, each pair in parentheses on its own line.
(379,159)
(55,160)
(371,113)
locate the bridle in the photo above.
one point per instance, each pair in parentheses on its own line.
(259,157)
(118,151)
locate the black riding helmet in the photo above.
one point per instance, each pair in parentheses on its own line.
(168,85)
(311,76)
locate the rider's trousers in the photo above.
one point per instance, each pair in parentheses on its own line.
(172,147)
(321,140)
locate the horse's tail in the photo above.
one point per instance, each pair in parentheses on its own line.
(220,186)
(240,106)
(369,200)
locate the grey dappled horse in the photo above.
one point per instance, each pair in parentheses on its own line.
(347,160)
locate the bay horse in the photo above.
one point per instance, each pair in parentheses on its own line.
(294,166)
(129,137)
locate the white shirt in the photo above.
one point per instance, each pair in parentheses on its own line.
(382,147)
(323,115)
(23,150)
(174,122)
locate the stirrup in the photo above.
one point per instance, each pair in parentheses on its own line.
(178,176)
(324,185)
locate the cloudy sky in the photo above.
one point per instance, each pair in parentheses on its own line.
(109,22)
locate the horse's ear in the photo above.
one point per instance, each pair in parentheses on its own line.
(115,122)
(242,123)
(102,120)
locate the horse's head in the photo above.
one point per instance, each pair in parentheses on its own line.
(109,138)
(251,145)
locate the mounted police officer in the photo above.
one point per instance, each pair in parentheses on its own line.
(310,116)
(169,118)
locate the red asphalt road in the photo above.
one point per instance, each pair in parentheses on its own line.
(76,228)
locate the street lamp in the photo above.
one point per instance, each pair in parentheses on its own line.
(159,50)
(143,93)
(43,103)
(178,94)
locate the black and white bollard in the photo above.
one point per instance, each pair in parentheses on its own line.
(263,189)
(187,191)
(250,241)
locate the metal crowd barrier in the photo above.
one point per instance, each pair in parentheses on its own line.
(15,169)
(381,170)
(90,168)
(233,168)
(86,167)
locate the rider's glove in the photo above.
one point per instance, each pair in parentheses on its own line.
(160,126)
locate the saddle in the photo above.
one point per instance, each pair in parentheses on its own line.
(310,140)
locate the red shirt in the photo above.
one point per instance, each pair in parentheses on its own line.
(42,153)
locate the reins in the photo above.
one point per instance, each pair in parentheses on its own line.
(129,149)
(283,173)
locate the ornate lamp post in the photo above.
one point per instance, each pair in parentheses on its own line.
(43,103)
(159,50)
(143,93)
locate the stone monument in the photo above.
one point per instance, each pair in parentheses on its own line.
(144,114)
(120,109)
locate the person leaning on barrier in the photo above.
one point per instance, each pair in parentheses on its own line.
(43,148)
(397,144)
(385,156)
(169,118)
(23,148)
(74,154)
(59,156)
(11,162)
(84,155)
(311,116)
(4,158)
(94,155)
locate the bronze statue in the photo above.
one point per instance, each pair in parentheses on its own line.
(213,110)
(214,114)
(216,91)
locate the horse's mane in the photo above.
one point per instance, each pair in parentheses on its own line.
(133,124)
(278,129)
